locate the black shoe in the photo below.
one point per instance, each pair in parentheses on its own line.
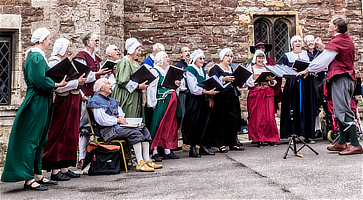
(236,148)
(49,182)
(59,177)
(39,187)
(156,158)
(272,144)
(259,144)
(193,152)
(171,155)
(318,134)
(71,174)
(205,151)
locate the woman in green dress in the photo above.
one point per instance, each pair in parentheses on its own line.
(167,110)
(128,92)
(30,129)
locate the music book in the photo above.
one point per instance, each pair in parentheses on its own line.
(241,75)
(174,73)
(61,69)
(282,71)
(142,74)
(300,65)
(81,69)
(212,82)
(109,65)
(263,75)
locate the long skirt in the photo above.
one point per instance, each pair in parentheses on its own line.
(196,120)
(225,117)
(298,103)
(61,148)
(262,123)
(164,123)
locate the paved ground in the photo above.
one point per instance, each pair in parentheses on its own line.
(251,174)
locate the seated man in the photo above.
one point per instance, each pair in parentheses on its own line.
(107,113)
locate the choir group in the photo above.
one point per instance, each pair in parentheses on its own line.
(47,132)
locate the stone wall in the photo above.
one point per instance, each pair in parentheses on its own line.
(213,25)
(64,18)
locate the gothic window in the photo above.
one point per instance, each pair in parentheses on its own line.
(5,67)
(281,33)
(274,30)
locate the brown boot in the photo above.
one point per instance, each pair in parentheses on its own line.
(352,150)
(337,147)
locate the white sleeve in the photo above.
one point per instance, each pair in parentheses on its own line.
(72,85)
(102,118)
(183,87)
(91,76)
(152,90)
(80,60)
(323,61)
(112,80)
(275,82)
(121,112)
(250,82)
(192,84)
(131,86)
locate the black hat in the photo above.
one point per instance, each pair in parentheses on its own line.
(267,46)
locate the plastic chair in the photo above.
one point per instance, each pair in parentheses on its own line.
(122,143)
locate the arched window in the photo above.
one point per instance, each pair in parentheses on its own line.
(281,31)
(261,31)
(275,30)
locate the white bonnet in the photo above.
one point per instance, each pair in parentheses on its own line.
(60,46)
(131,45)
(39,35)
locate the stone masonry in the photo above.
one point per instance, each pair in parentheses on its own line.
(214,25)
(64,18)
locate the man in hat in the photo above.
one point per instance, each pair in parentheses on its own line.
(263,47)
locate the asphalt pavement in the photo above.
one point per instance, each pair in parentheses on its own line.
(256,173)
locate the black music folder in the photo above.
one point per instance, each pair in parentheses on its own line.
(61,69)
(301,65)
(174,73)
(81,69)
(241,74)
(263,75)
(212,82)
(109,65)
(142,74)
(282,71)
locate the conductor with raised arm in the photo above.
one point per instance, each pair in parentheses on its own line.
(338,57)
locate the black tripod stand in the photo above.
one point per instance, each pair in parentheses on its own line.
(294,135)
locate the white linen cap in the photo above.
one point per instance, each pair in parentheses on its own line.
(60,46)
(39,35)
(294,38)
(131,45)
(224,52)
(255,57)
(196,54)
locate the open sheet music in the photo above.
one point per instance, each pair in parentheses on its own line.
(282,71)
(212,82)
